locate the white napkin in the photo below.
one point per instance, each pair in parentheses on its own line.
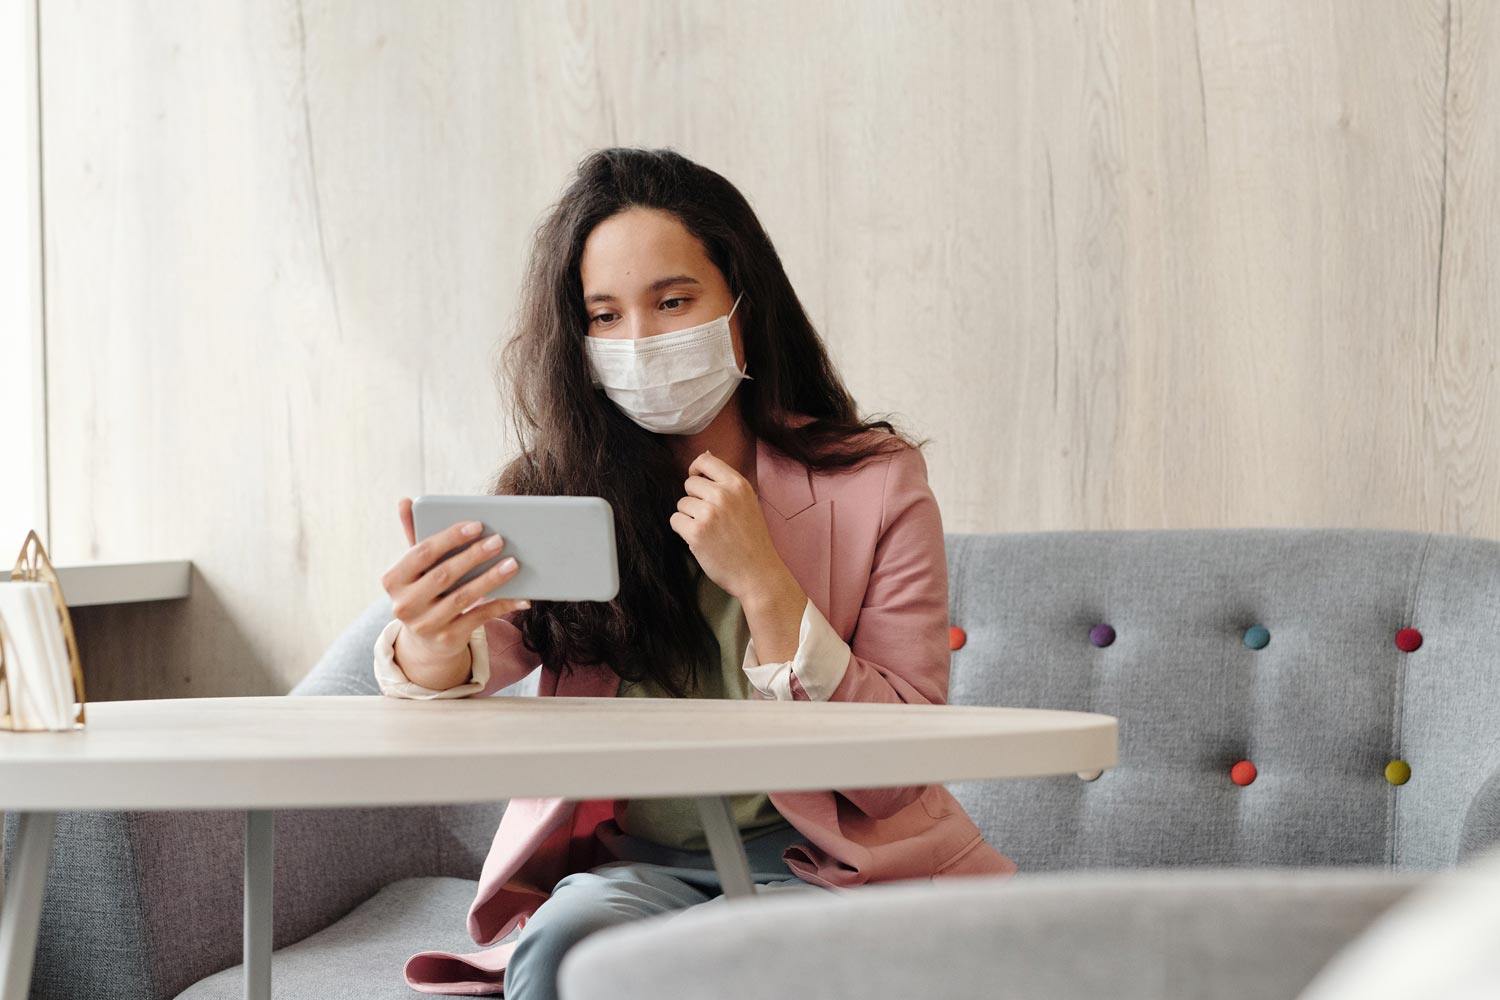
(38,671)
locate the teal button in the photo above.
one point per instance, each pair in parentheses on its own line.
(1256,636)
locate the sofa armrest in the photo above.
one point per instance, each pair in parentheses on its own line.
(1481,829)
(1247,934)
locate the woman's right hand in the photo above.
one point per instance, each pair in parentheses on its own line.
(439,627)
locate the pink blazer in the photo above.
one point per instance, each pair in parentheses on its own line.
(877,571)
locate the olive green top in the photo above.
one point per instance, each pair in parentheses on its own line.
(674,822)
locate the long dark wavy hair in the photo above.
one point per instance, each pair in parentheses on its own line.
(576,442)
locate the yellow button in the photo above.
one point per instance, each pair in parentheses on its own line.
(1398,772)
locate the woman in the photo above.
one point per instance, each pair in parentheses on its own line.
(771,545)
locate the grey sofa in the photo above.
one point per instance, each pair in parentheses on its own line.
(1320,699)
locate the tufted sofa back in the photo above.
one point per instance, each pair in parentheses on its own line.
(1320,699)
(1356,671)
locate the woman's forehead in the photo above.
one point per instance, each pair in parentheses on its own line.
(634,248)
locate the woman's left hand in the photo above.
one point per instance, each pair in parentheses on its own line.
(721,521)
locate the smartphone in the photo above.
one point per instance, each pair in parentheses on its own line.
(565,544)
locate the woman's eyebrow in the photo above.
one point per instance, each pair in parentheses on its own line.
(656,286)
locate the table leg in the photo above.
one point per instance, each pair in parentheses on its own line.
(725,845)
(22,911)
(259,868)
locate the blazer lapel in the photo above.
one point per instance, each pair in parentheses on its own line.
(801,526)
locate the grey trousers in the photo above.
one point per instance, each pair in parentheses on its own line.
(646,879)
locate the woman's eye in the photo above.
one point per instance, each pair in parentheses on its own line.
(609,317)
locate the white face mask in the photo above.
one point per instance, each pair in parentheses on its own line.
(670,383)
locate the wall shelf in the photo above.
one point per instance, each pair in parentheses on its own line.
(122,583)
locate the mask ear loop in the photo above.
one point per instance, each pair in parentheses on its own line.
(731,316)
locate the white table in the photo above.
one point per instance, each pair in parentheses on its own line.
(268,753)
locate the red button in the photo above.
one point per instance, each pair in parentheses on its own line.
(1242,773)
(956,637)
(1408,639)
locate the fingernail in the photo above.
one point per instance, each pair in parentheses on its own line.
(524,604)
(472,528)
(509,562)
(492,542)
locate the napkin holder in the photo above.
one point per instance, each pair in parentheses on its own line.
(33,565)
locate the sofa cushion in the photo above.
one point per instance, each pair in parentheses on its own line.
(362,954)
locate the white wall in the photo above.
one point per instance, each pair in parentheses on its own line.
(22,456)
(1131,265)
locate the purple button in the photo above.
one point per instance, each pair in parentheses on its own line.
(1102,635)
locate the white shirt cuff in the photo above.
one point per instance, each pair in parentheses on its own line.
(819,662)
(395,684)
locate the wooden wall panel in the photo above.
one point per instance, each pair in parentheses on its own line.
(1177,264)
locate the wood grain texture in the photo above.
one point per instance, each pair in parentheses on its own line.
(1180,264)
(343,750)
